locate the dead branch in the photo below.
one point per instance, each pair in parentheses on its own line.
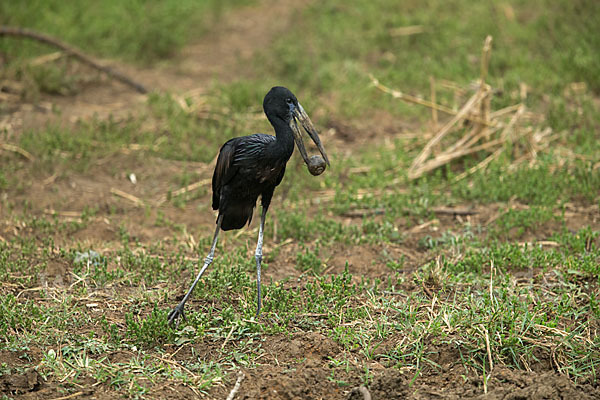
(454,211)
(479,166)
(407,30)
(475,126)
(135,200)
(447,157)
(471,103)
(237,385)
(485,60)
(188,188)
(416,100)
(72,51)
(17,149)
(70,396)
(363,212)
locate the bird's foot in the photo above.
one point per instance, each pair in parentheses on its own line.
(174,315)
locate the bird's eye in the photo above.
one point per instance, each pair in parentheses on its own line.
(289,100)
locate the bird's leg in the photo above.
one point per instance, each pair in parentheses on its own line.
(178,310)
(258,255)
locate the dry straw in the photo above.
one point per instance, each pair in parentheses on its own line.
(472,128)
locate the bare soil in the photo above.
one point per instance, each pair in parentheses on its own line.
(295,366)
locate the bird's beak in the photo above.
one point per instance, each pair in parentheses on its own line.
(300,115)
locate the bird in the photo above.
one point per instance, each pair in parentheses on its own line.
(251,166)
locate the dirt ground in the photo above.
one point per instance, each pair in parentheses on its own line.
(221,56)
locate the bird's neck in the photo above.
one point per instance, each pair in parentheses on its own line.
(284,144)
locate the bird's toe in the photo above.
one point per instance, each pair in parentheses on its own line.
(174,315)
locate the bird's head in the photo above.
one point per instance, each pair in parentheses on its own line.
(281,103)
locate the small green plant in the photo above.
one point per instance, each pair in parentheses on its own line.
(309,260)
(149,331)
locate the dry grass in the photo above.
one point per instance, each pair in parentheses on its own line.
(475,127)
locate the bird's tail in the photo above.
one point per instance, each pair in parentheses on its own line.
(236,217)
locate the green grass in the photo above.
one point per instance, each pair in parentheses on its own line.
(137,31)
(544,44)
(521,277)
(522,319)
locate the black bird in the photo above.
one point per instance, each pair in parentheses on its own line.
(254,165)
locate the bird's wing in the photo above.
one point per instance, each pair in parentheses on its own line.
(224,171)
(250,149)
(236,153)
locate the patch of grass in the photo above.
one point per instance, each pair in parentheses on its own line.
(151,330)
(361,317)
(452,287)
(16,317)
(543,185)
(136,31)
(308,260)
(346,40)
(523,220)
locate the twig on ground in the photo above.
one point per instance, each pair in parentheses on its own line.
(311,315)
(68,214)
(237,385)
(418,228)
(17,149)
(454,211)
(70,396)
(72,51)
(363,212)
(427,291)
(135,200)
(46,58)
(228,337)
(407,30)
(184,190)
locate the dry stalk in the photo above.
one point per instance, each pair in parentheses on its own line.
(479,166)
(70,396)
(434,115)
(420,159)
(416,100)
(46,58)
(407,30)
(228,337)
(488,348)
(135,200)
(17,149)
(508,129)
(471,138)
(237,385)
(183,190)
(485,60)
(488,133)
(506,110)
(445,158)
